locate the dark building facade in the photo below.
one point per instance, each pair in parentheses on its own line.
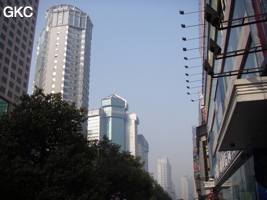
(233,128)
(17,27)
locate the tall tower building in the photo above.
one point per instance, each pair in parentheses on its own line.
(16,41)
(142,150)
(121,128)
(164,176)
(187,187)
(132,122)
(115,108)
(63,54)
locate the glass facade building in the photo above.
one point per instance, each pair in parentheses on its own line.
(113,121)
(231,137)
(115,109)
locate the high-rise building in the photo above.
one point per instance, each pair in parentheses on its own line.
(131,132)
(16,42)
(231,136)
(165,176)
(187,188)
(142,150)
(96,124)
(115,108)
(63,54)
(121,128)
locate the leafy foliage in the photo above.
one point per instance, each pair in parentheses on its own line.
(44,156)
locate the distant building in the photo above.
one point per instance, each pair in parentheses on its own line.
(115,108)
(165,176)
(132,123)
(16,42)
(96,124)
(142,150)
(187,185)
(121,128)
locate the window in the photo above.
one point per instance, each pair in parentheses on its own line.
(5,70)
(4,79)
(16,49)
(11,84)
(12,75)
(7,60)
(13,65)
(2,89)
(24,38)
(9,94)
(11,34)
(15,57)
(21,62)
(22,54)
(8,51)
(18,32)
(9,43)
(17,89)
(3,36)
(18,80)
(4,27)
(20,24)
(12,26)
(17,39)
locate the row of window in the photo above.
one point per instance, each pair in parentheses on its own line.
(17,2)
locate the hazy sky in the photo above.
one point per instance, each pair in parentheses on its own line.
(137,53)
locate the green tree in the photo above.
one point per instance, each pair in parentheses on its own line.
(122,172)
(159,193)
(43,154)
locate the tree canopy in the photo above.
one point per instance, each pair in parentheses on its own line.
(44,156)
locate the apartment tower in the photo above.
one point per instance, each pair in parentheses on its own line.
(63,54)
(165,176)
(16,41)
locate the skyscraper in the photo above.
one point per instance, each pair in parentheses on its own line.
(115,108)
(165,176)
(63,54)
(187,187)
(131,139)
(121,128)
(16,41)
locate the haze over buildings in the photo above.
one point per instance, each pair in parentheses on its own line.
(164,172)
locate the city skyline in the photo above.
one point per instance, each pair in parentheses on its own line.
(137,52)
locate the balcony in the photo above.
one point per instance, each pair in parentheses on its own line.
(244,125)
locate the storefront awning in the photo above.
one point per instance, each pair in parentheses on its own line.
(244,123)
